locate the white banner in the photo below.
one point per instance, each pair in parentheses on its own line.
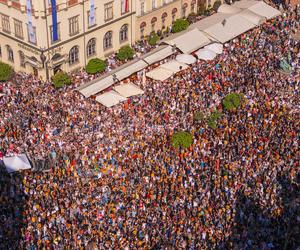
(92,20)
(31,33)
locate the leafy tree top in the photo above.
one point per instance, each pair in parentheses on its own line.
(232,101)
(180,25)
(125,53)
(95,65)
(61,79)
(6,72)
(182,139)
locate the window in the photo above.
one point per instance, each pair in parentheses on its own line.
(10,53)
(18,28)
(142,8)
(184,7)
(124,33)
(142,29)
(91,47)
(5,23)
(124,6)
(73,55)
(31,36)
(22,59)
(91,22)
(74,25)
(163,20)
(192,8)
(153,4)
(107,40)
(164,2)
(108,11)
(58,33)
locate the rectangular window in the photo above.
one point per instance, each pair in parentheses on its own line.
(153,4)
(18,29)
(58,32)
(5,23)
(142,8)
(33,40)
(108,11)
(124,6)
(74,25)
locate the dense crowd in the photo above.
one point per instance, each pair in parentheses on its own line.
(115,181)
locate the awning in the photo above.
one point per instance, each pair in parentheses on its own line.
(130,69)
(205,54)
(16,163)
(209,21)
(258,7)
(185,58)
(96,86)
(174,66)
(128,89)
(110,98)
(159,54)
(252,17)
(228,9)
(189,41)
(159,74)
(215,47)
(229,28)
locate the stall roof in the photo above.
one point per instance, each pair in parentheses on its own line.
(110,98)
(130,69)
(159,54)
(16,163)
(189,41)
(174,66)
(128,89)
(252,17)
(159,74)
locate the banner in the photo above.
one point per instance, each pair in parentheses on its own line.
(92,13)
(125,6)
(54,21)
(31,34)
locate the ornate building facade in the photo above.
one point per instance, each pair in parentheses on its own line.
(44,36)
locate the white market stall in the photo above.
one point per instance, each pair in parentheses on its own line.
(110,98)
(16,163)
(205,54)
(128,90)
(185,58)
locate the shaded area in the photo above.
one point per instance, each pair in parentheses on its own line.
(257,228)
(12,205)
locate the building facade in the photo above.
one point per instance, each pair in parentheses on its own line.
(44,36)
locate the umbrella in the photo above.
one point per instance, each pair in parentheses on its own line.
(185,58)
(215,47)
(206,54)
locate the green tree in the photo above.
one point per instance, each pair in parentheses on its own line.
(6,72)
(232,101)
(182,139)
(125,53)
(199,116)
(212,119)
(216,5)
(61,79)
(95,66)
(153,38)
(192,18)
(180,25)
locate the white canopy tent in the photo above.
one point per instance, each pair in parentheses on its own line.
(185,58)
(130,69)
(174,66)
(252,17)
(159,74)
(189,41)
(159,54)
(206,54)
(128,89)
(258,7)
(110,98)
(16,163)
(215,47)
(229,28)
(210,21)
(228,9)
(97,86)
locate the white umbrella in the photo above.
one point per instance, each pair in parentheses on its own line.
(215,47)
(206,54)
(185,58)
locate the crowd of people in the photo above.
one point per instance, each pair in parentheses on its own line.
(115,182)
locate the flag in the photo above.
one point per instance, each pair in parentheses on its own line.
(54,21)
(92,13)
(125,6)
(32,37)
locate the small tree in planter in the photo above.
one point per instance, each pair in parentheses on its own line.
(6,72)
(125,53)
(201,10)
(153,38)
(182,139)
(180,25)
(61,79)
(95,65)
(192,18)
(232,101)
(216,5)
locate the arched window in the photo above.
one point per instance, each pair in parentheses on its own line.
(107,40)
(184,7)
(163,19)
(124,33)
(91,47)
(22,59)
(142,29)
(73,55)
(10,53)
(153,21)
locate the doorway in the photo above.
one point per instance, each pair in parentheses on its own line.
(56,69)
(35,71)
